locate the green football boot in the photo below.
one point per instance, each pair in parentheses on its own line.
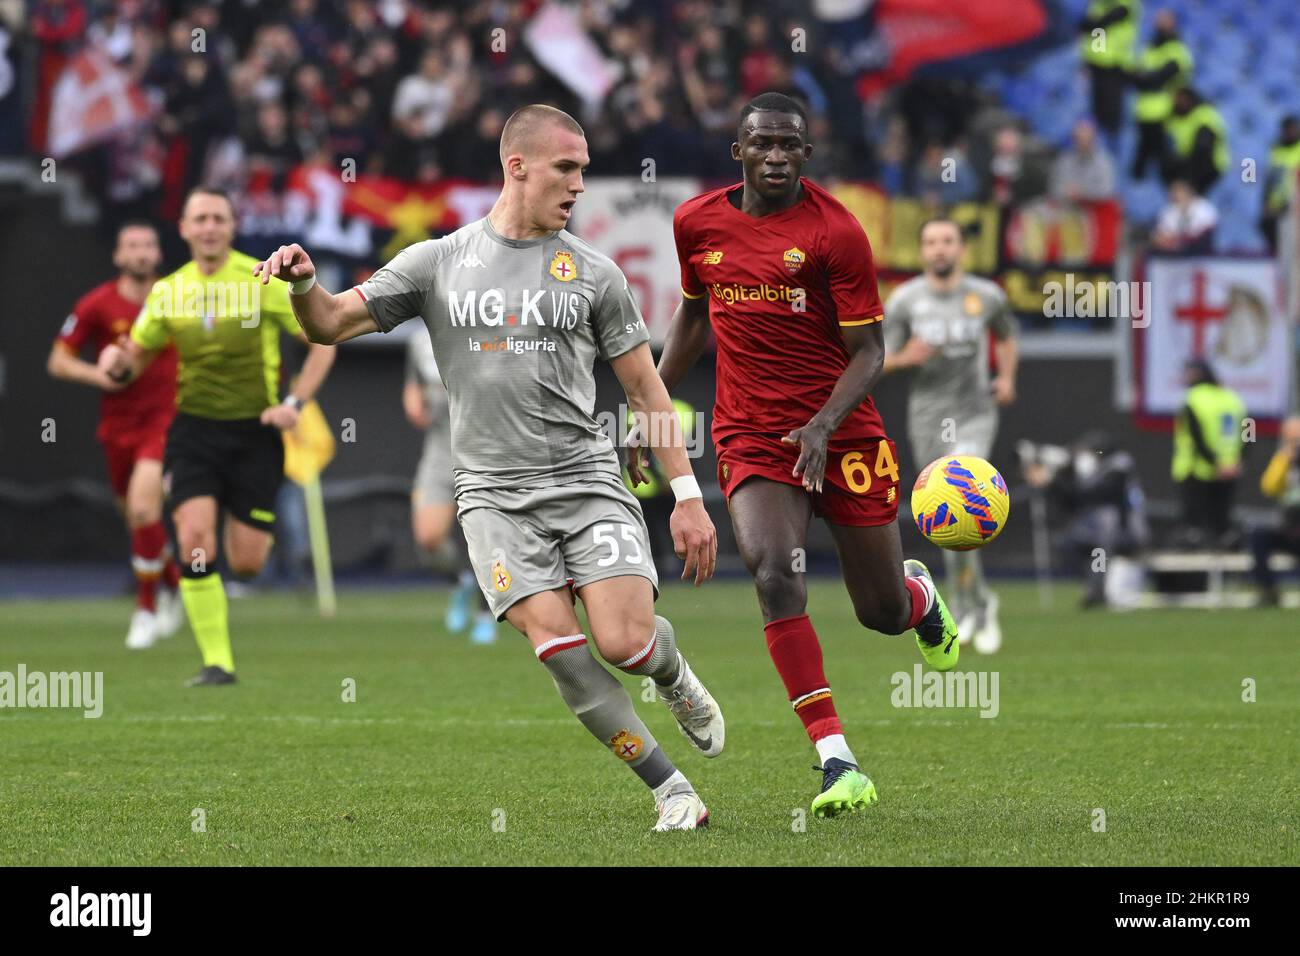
(845,788)
(936,635)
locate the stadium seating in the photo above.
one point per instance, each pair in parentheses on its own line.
(1229,43)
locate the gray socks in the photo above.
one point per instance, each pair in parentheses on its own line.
(598,700)
(659,658)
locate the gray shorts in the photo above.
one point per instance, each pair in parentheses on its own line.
(433,481)
(524,541)
(972,435)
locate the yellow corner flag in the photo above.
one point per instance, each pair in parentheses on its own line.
(307,450)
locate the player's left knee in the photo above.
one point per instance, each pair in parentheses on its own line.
(886,614)
(621,642)
(142,516)
(246,565)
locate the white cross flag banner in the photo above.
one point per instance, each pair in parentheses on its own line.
(1229,312)
(93,100)
(632,222)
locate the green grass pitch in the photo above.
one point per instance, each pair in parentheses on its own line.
(460,754)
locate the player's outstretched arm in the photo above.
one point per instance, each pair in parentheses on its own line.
(694,537)
(688,334)
(64,364)
(866,347)
(327,319)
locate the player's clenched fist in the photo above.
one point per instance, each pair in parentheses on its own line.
(115,363)
(290,263)
(694,539)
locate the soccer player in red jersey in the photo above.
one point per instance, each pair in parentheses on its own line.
(133,423)
(783,275)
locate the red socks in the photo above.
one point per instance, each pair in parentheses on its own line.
(795,651)
(149,562)
(921,592)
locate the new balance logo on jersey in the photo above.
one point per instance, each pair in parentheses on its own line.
(471,261)
(545,308)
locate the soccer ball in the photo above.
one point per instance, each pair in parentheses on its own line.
(960,502)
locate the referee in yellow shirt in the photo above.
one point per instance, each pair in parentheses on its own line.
(224,449)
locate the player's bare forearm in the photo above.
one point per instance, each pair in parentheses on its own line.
(688,334)
(320,358)
(866,346)
(62,364)
(330,319)
(1008,355)
(326,319)
(652,409)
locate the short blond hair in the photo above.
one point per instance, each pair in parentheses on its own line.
(522,130)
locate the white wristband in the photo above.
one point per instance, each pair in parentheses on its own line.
(686,487)
(302,286)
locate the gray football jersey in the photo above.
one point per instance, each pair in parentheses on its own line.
(954,382)
(516,327)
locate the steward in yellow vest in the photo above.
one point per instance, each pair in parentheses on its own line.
(1109,39)
(1207,450)
(1198,139)
(1161,69)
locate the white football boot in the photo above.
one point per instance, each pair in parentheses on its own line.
(699,717)
(988,639)
(681,809)
(966,628)
(169,611)
(144,630)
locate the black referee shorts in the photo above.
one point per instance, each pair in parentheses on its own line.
(239,462)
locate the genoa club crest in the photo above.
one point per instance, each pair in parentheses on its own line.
(562,266)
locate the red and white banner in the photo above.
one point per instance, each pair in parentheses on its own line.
(93,100)
(1227,311)
(632,223)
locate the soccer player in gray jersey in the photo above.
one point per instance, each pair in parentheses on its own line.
(937,324)
(433,498)
(518,310)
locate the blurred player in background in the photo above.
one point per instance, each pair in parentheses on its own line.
(133,424)
(518,310)
(938,323)
(1280,482)
(783,274)
(433,497)
(224,449)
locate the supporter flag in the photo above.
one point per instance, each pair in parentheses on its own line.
(1228,311)
(557,40)
(916,32)
(93,101)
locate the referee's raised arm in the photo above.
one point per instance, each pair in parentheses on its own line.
(326,319)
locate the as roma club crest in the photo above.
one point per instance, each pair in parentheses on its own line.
(626,745)
(793,259)
(562,266)
(500,576)
(972,304)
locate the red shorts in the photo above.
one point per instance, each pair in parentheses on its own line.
(122,451)
(860,486)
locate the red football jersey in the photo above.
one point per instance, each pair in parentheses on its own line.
(779,359)
(99,318)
